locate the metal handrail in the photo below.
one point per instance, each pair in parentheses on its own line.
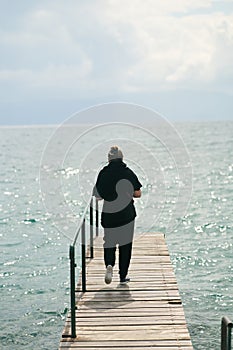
(226,327)
(81,222)
(81,228)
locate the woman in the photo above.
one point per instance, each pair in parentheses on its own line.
(117,185)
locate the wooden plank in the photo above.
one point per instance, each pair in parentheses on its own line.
(120,345)
(140,312)
(145,314)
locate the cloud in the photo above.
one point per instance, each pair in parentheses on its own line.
(98,48)
(173,51)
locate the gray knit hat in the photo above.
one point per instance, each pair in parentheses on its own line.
(115,153)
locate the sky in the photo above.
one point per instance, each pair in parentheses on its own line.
(59,57)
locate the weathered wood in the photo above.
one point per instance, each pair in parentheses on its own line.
(145,314)
(120,345)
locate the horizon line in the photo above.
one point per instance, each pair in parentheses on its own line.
(80,124)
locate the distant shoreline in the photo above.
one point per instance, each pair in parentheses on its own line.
(15,126)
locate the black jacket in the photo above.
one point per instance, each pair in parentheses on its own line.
(116,184)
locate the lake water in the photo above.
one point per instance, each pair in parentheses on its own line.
(34,240)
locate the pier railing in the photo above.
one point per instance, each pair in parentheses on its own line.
(82,228)
(226,327)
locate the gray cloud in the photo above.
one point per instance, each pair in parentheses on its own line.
(92,49)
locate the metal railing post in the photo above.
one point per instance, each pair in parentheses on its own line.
(96,217)
(226,326)
(83,257)
(72,291)
(91,230)
(81,228)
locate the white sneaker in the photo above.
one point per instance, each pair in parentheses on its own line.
(108,274)
(124,280)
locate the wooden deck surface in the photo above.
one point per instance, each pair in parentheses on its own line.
(145,314)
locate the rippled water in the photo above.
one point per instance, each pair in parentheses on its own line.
(202,246)
(34,287)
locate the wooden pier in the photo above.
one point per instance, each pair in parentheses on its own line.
(145,314)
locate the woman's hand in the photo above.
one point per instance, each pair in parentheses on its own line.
(137,194)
